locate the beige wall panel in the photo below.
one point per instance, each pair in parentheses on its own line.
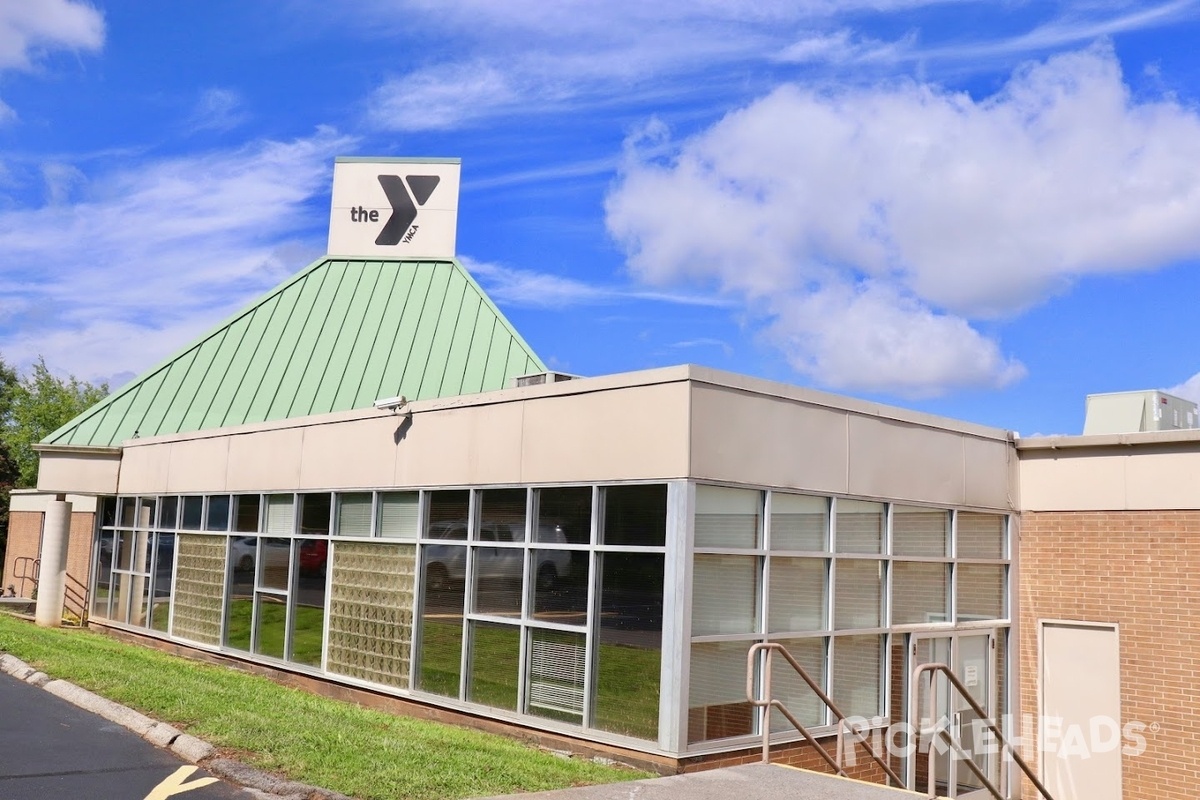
(1072,483)
(78,473)
(1162,480)
(640,432)
(990,473)
(144,470)
(896,460)
(199,465)
(442,448)
(268,460)
(359,453)
(768,441)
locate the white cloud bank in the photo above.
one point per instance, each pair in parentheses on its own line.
(28,27)
(154,254)
(871,225)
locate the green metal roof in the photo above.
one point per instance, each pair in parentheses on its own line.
(339,335)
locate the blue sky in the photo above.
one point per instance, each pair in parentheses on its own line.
(980,209)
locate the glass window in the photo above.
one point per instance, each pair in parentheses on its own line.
(280,515)
(920,592)
(564,515)
(146,508)
(448,514)
(980,535)
(560,582)
(354,514)
(798,594)
(857,593)
(441,618)
(164,560)
(635,515)
(557,664)
(193,513)
(243,553)
(495,664)
(308,612)
(270,625)
(246,520)
(502,515)
(799,522)
(725,594)
(108,512)
(103,588)
(498,572)
(788,687)
(856,687)
(727,517)
(218,513)
(920,531)
(274,563)
(399,515)
(124,550)
(629,653)
(314,514)
(980,592)
(168,513)
(859,526)
(128,511)
(717,704)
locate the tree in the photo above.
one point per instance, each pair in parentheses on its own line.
(8,469)
(40,404)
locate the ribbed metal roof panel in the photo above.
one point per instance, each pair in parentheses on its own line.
(337,336)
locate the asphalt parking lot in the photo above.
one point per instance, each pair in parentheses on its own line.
(51,750)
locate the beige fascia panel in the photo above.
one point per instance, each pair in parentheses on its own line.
(79,470)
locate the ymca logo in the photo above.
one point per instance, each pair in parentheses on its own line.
(399,227)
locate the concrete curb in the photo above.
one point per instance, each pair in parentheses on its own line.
(261,784)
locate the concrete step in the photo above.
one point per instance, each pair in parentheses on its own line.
(748,782)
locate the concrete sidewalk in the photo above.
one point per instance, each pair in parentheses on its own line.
(749,782)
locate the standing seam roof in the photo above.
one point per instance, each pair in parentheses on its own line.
(337,336)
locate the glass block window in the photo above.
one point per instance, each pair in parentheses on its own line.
(371,611)
(199,588)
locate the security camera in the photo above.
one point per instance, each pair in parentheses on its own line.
(392,404)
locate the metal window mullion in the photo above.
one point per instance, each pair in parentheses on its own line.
(174,579)
(289,617)
(952,605)
(329,554)
(418,613)
(675,666)
(526,610)
(464,662)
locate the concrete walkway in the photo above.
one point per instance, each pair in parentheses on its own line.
(750,782)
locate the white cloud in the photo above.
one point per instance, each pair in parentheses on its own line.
(908,210)
(530,289)
(1189,389)
(158,252)
(217,110)
(529,56)
(31,27)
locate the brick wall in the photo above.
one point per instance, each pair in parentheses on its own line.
(1140,570)
(24,542)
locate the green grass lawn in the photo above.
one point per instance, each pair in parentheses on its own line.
(362,753)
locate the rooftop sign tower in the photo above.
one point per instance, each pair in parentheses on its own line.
(394,207)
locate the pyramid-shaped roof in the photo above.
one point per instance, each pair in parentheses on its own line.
(338,336)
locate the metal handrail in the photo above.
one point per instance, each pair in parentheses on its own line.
(22,574)
(965,693)
(770,702)
(77,591)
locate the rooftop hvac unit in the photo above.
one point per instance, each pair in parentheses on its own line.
(1135,412)
(539,378)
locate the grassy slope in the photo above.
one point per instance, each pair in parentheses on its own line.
(363,753)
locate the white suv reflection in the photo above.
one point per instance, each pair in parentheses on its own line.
(446,565)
